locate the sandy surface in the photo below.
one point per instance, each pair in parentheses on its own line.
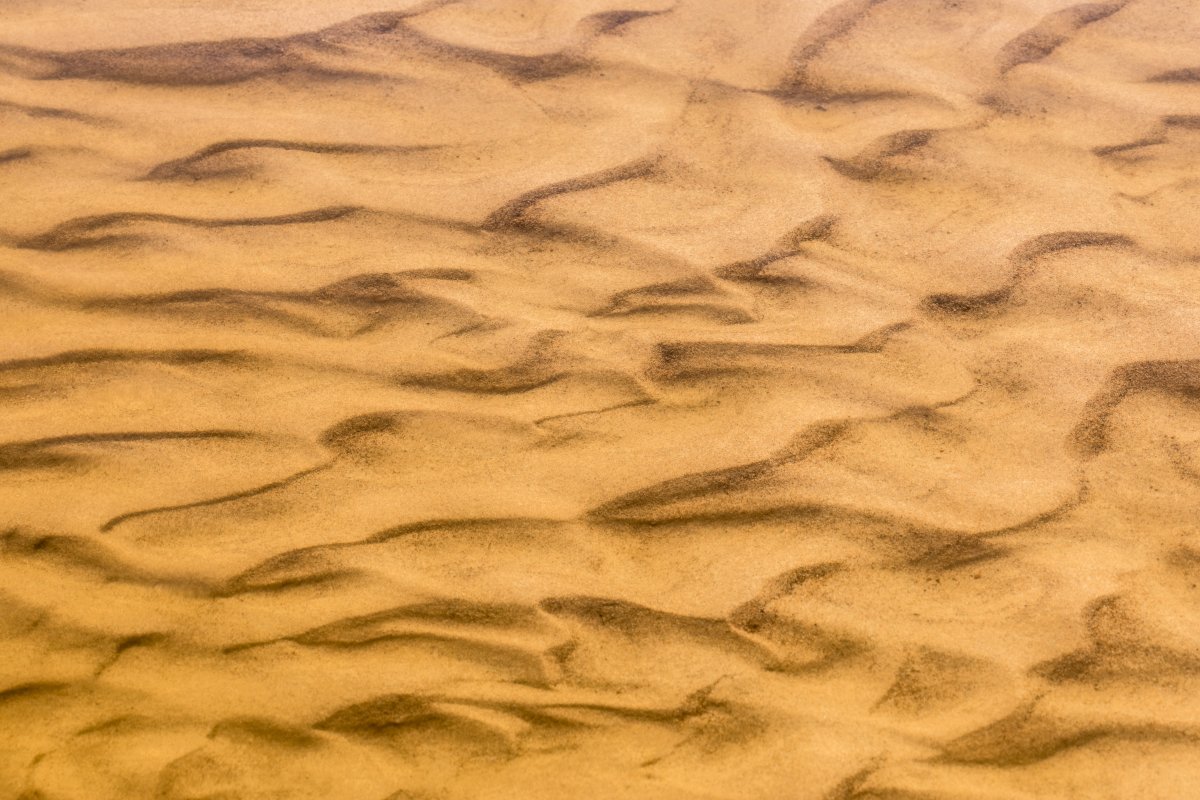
(554,399)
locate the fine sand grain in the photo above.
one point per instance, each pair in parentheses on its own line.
(638,399)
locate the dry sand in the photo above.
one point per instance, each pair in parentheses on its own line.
(622,399)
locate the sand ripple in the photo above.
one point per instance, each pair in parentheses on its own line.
(581,398)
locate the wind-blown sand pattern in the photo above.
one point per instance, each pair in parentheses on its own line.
(663,399)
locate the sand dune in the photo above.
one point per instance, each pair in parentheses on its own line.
(600,398)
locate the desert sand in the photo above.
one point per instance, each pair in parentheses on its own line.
(641,399)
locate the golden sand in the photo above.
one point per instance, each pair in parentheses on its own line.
(639,399)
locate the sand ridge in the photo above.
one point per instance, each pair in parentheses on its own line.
(592,398)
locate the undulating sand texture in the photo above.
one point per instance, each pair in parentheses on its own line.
(640,399)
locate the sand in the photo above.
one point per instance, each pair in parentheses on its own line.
(540,399)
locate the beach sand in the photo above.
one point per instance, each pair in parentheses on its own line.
(640,399)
